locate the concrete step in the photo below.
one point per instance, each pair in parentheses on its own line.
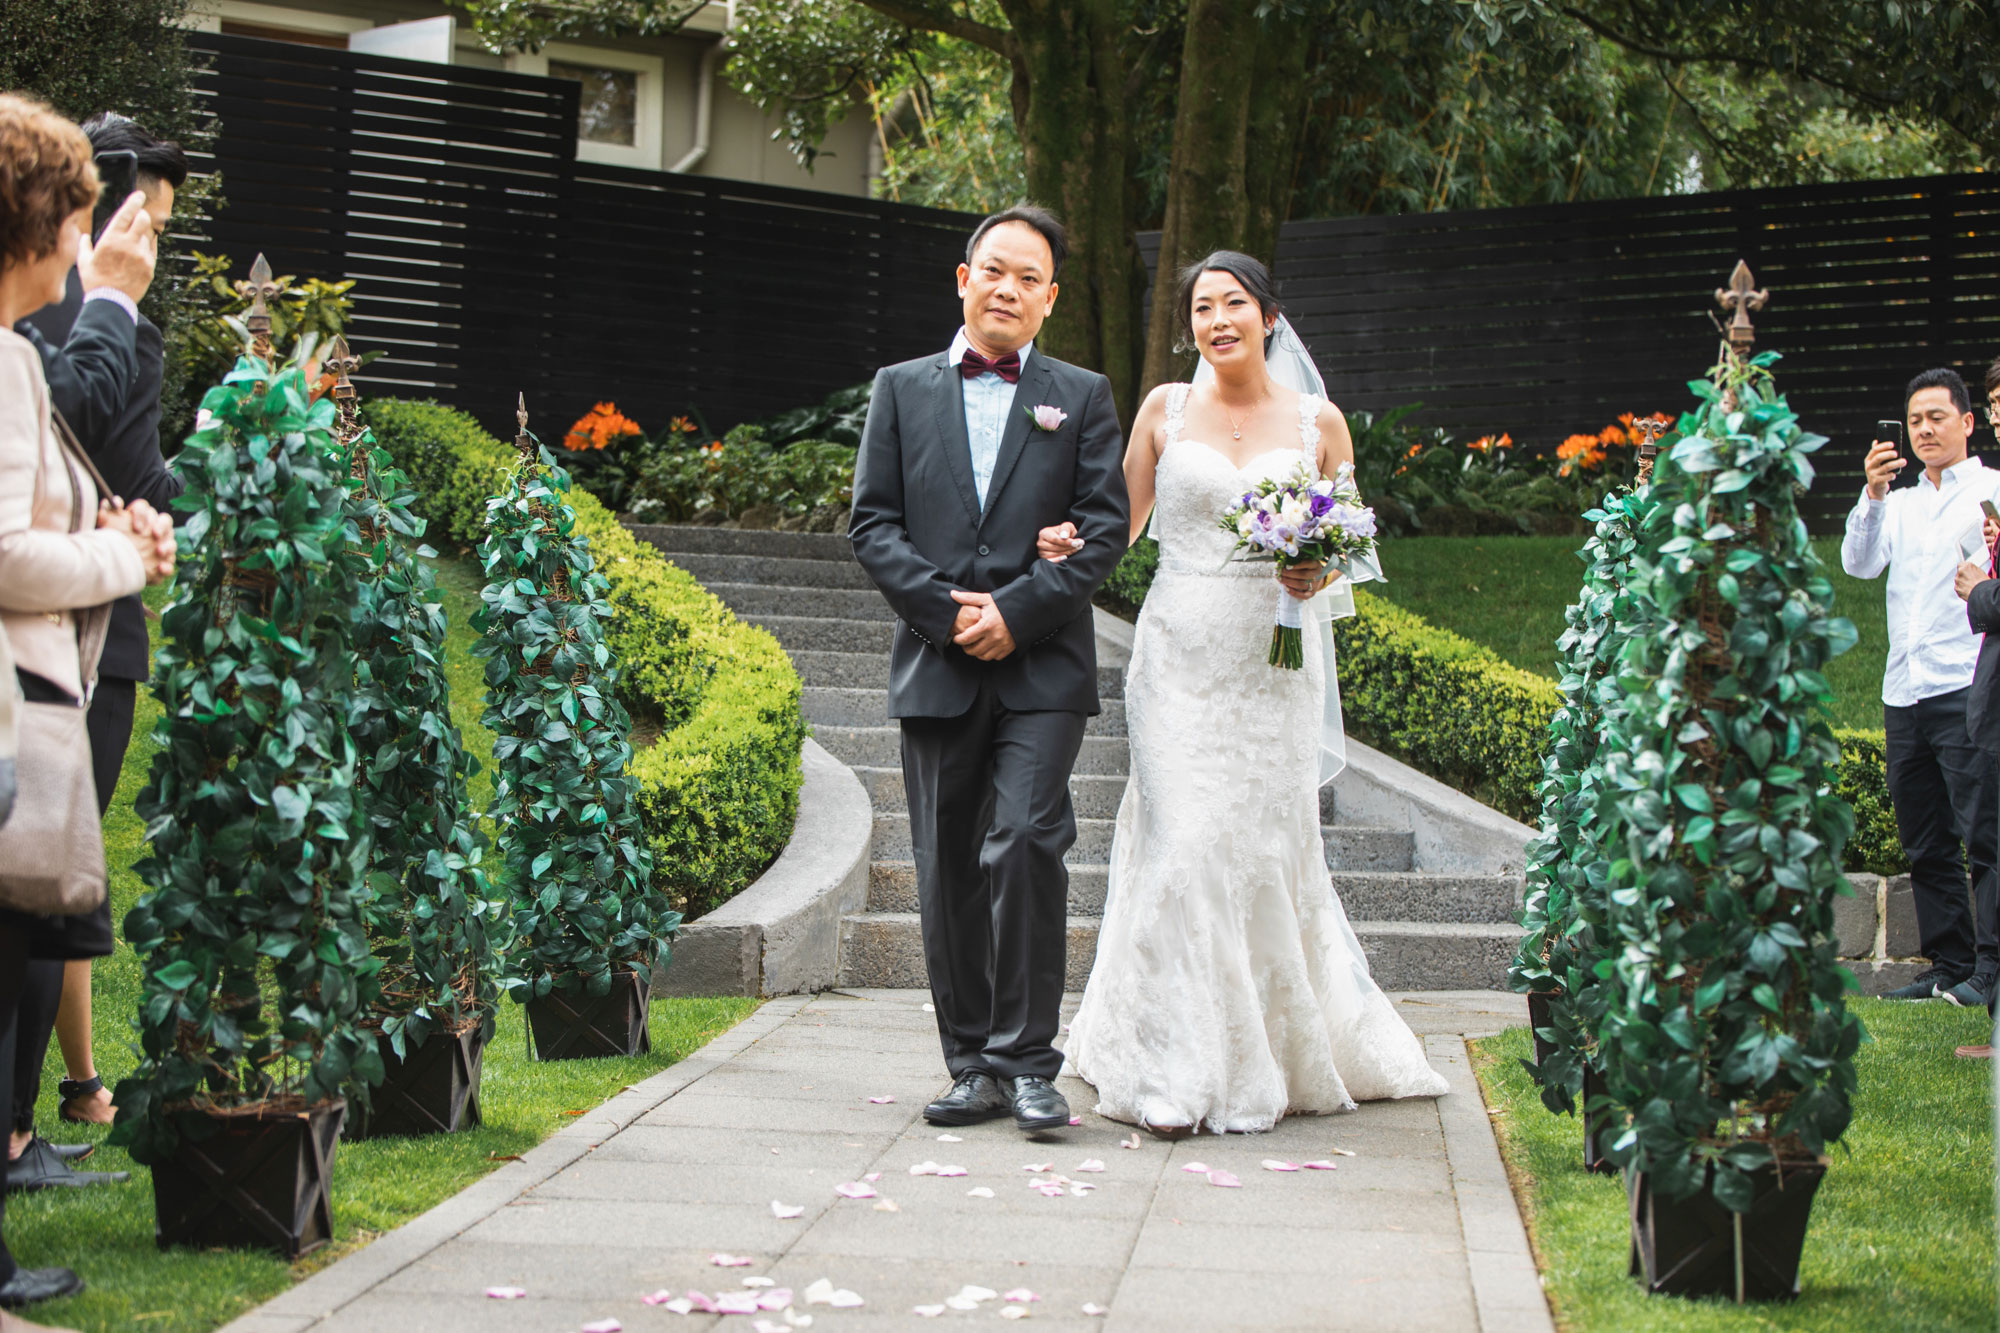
(1405,895)
(870,670)
(882,747)
(1347,848)
(885,949)
(798,633)
(774,571)
(1095,796)
(846,706)
(892,887)
(756,599)
(677,541)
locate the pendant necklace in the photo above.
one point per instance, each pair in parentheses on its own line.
(1235,426)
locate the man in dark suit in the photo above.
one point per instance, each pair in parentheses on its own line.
(1981,591)
(966,456)
(103,361)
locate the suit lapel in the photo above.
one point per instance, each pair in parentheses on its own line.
(1015,437)
(948,393)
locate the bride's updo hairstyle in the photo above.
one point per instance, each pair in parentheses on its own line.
(1256,280)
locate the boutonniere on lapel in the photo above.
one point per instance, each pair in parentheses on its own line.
(1047,418)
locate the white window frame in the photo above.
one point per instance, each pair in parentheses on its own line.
(648,115)
(209,14)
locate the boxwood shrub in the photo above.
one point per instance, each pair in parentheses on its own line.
(1475,721)
(719,790)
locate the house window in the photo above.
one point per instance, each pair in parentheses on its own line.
(608,109)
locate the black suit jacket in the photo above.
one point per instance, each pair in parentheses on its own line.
(1982,710)
(113,404)
(919,530)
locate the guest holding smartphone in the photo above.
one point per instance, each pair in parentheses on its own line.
(1945,787)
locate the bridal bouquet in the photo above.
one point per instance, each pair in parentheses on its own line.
(1301,519)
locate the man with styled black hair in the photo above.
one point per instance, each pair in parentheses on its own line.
(115,412)
(1945,788)
(968,453)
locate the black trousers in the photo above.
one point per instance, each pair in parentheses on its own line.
(990,820)
(1946,792)
(56,939)
(13,970)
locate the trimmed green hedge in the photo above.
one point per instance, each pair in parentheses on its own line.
(719,792)
(1475,721)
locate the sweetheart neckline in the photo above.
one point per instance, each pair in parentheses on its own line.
(1217,453)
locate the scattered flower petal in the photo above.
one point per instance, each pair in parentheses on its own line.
(934,1169)
(951,1170)
(603,1326)
(1273,1164)
(887,1206)
(819,1293)
(961,1302)
(949,1138)
(1322,1166)
(872,1177)
(736,1302)
(1081,1188)
(1020,1294)
(881,1101)
(1039,1169)
(1091,1165)
(760,1282)
(506,1293)
(668,1299)
(1225,1179)
(699,1301)
(855,1189)
(930,1008)
(980,1192)
(1075,1120)
(721,1260)
(797,1320)
(1093,1308)
(972,1293)
(1013,1312)
(769,1326)
(845,1300)
(1196,1168)
(777,1298)
(927,1311)
(781,1211)
(1343,1152)
(1132,1142)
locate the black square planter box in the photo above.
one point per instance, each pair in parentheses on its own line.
(574,1026)
(1688,1248)
(1595,1141)
(259,1182)
(1538,1018)
(434,1090)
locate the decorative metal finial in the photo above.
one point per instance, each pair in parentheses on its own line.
(1738,300)
(523,441)
(342,363)
(1650,430)
(261,289)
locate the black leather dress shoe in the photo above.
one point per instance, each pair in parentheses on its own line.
(974,1098)
(72,1152)
(1038,1106)
(31,1285)
(40,1168)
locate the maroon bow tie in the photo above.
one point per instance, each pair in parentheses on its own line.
(972,365)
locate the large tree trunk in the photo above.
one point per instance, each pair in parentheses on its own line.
(1278,109)
(1069,109)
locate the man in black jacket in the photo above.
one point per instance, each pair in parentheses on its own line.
(103,361)
(967,455)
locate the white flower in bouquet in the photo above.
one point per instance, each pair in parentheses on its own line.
(1304,519)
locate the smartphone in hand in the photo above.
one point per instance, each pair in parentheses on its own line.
(118,176)
(1892,431)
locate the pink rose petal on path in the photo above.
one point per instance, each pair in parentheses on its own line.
(949,1138)
(721,1260)
(736,1302)
(1075,1120)
(855,1189)
(951,1171)
(1039,1169)
(777,1298)
(1321,1166)
(1132,1142)
(927,1311)
(881,1101)
(1225,1180)
(872,1177)
(769,1326)
(604,1326)
(977,1294)
(887,1206)
(701,1302)
(1092,1165)
(1272,1164)
(1196,1168)
(1013,1312)
(845,1300)
(760,1282)
(1019,1294)
(506,1293)
(661,1297)
(781,1211)
(1093,1308)
(980,1192)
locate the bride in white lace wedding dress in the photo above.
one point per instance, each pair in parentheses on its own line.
(1229,989)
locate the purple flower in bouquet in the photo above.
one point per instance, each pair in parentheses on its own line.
(1305,518)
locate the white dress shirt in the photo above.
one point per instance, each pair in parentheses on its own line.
(1920,534)
(988,399)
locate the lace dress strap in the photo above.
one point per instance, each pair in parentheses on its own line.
(1309,428)
(1177,396)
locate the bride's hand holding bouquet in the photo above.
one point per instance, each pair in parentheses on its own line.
(1307,524)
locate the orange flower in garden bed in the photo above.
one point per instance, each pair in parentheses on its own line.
(599,427)
(1486,444)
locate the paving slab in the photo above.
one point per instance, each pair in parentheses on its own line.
(1414,1229)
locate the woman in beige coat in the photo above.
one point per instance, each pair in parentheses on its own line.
(63,547)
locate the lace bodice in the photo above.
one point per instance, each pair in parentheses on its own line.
(1195,482)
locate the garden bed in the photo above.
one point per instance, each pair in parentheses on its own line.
(1902,1230)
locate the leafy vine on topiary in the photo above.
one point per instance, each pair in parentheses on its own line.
(1726,1038)
(1563,910)
(578,870)
(251,931)
(439,927)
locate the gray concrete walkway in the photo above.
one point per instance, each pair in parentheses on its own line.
(1416,1230)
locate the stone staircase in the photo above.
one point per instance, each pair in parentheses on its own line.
(1422,929)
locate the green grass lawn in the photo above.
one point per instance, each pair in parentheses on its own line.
(1902,1231)
(1509,593)
(106,1233)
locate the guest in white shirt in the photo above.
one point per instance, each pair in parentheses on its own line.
(1945,789)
